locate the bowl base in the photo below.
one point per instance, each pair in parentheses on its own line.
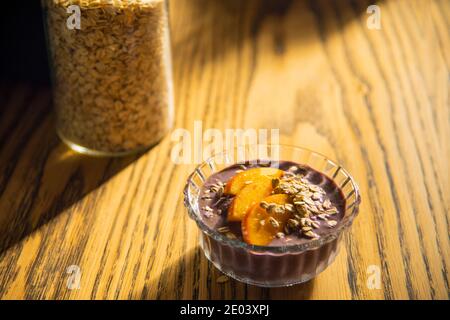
(272,284)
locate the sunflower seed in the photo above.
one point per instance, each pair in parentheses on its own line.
(271,207)
(288,174)
(263,204)
(332,223)
(316,196)
(327,204)
(230,235)
(315,225)
(280,235)
(310,234)
(224,229)
(279,210)
(292,223)
(274,222)
(315,188)
(289,207)
(314,209)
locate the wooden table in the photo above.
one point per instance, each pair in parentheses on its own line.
(377,101)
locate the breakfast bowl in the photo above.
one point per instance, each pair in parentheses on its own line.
(271,236)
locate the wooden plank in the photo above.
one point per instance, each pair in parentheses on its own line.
(374,100)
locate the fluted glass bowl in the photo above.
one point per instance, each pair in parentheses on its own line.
(271,266)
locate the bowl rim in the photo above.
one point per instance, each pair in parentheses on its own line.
(295,248)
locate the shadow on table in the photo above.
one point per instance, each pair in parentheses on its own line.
(39,176)
(231,23)
(192,276)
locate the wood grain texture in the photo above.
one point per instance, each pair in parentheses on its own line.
(377,101)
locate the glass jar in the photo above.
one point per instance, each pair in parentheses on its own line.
(111,73)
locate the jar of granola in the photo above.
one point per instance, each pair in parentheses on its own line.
(111,73)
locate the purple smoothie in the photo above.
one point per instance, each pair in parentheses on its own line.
(217,217)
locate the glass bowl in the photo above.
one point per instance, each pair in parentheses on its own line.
(271,266)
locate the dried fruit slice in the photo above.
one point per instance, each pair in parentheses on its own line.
(249,195)
(240,180)
(260,227)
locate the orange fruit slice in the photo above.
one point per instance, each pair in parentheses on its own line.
(258,227)
(244,178)
(249,196)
